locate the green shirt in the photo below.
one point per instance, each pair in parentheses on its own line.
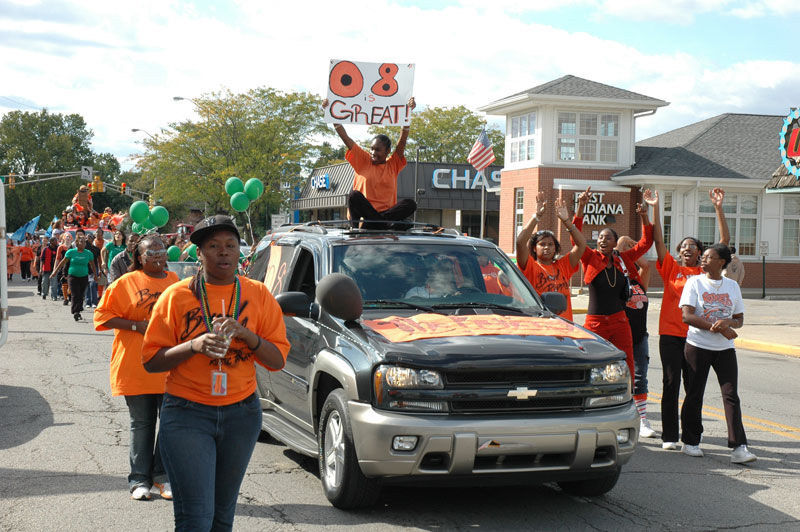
(113,251)
(79,262)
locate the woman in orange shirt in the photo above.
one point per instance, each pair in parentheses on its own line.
(545,272)
(126,307)
(208,332)
(672,330)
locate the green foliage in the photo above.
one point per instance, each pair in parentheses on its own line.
(262,133)
(447,133)
(42,142)
(329,155)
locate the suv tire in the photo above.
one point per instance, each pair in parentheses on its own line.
(591,487)
(344,484)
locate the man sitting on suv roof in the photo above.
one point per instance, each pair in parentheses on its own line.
(374,195)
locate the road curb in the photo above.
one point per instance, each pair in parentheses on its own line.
(768,347)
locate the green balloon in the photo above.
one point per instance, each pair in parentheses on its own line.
(192,251)
(173,253)
(159,216)
(137,228)
(253,188)
(147,224)
(139,211)
(234,185)
(240,202)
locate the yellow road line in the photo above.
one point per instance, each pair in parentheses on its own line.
(748,421)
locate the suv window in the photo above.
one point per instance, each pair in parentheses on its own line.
(303,275)
(436,273)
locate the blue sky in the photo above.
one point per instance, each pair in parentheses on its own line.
(120,63)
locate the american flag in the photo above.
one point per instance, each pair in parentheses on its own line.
(481,154)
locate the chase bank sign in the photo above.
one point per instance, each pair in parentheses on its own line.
(321,181)
(449,178)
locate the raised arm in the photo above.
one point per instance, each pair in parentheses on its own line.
(717,196)
(578,240)
(400,147)
(339,128)
(651,198)
(527,230)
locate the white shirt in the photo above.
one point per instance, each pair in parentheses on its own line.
(712,301)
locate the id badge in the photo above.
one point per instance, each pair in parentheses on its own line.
(219,383)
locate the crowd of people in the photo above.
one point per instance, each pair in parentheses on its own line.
(701,307)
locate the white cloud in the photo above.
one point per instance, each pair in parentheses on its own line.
(119,65)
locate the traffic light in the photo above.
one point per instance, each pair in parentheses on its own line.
(12,180)
(123,189)
(93,187)
(98,185)
(152,201)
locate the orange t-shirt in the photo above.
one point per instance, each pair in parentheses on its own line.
(27,254)
(552,278)
(491,278)
(670,321)
(378,182)
(177,318)
(131,297)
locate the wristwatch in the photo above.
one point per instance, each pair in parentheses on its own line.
(133,326)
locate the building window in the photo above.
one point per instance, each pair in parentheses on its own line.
(588,137)
(519,212)
(741,213)
(667,225)
(790,242)
(523,135)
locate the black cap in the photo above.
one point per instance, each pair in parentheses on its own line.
(211,224)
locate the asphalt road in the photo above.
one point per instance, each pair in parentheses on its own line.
(64,458)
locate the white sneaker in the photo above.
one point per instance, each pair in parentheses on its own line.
(645,430)
(741,455)
(670,445)
(141,493)
(165,490)
(692,450)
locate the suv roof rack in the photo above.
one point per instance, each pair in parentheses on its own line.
(321,226)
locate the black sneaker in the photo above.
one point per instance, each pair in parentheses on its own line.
(66,302)
(77,316)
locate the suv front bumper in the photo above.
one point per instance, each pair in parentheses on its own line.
(550,444)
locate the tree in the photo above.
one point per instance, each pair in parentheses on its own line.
(42,142)
(447,134)
(263,133)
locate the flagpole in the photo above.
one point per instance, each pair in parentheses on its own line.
(483,202)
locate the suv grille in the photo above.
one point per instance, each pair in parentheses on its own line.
(569,386)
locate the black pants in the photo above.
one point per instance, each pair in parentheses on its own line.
(673,363)
(77,287)
(698,363)
(360,207)
(25,267)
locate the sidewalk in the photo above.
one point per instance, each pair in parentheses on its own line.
(771,325)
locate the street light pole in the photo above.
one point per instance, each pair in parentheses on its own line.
(416,182)
(136,130)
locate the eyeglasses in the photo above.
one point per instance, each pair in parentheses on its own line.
(689,246)
(154,253)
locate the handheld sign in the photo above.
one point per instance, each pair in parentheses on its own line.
(369,93)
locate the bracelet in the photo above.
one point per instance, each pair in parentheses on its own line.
(337,126)
(191,346)
(257,345)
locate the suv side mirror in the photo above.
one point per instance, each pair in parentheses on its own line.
(340,297)
(555,302)
(297,304)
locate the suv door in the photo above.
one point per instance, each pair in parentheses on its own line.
(290,386)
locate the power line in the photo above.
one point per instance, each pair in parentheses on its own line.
(19,103)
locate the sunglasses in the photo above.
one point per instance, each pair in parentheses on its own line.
(155,253)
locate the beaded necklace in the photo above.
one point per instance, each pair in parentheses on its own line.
(206,309)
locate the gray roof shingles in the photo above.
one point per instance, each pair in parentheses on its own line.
(584,88)
(729,146)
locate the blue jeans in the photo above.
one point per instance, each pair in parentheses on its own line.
(206,450)
(145,457)
(641,361)
(91,292)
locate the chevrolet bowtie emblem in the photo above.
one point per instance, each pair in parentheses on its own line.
(522,393)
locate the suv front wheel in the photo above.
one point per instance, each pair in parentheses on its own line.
(591,487)
(344,484)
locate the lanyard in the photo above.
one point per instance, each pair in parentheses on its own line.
(206,309)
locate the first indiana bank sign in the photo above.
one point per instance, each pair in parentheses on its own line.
(449,178)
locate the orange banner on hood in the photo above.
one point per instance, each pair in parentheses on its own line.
(397,329)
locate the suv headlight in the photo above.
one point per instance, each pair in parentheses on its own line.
(402,388)
(611,374)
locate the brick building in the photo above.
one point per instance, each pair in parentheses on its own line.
(571,132)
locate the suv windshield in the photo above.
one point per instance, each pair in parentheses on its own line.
(433,275)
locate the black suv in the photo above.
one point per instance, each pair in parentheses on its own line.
(425,356)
